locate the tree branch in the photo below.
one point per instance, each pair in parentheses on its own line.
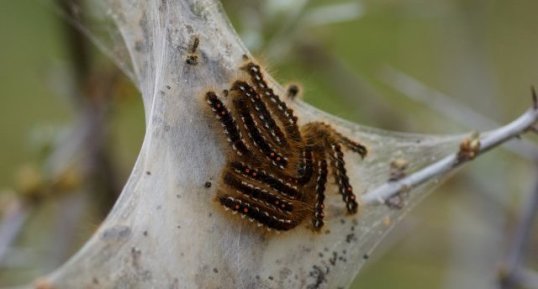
(13,220)
(512,271)
(492,139)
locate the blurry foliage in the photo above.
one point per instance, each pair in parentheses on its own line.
(482,53)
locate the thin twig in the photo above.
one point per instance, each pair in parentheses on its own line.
(13,221)
(510,272)
(449,163)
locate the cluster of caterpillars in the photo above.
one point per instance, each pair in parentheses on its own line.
(276,174)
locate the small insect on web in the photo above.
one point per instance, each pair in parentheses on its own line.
(277,174)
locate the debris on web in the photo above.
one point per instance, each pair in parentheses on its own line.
(176,52)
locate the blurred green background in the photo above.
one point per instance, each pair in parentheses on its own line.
(481,54)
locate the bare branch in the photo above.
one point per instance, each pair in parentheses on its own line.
(13,221)
(512,271)
(451,162)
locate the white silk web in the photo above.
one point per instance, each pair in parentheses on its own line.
(188,238)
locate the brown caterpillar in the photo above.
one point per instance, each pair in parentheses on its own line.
(277,176)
